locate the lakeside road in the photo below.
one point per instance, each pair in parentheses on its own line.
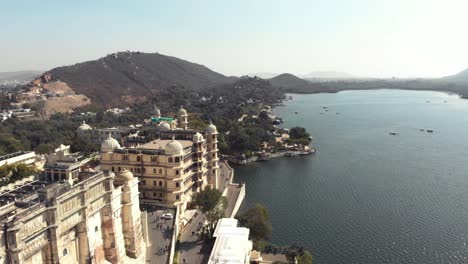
(160,233)
(190,246)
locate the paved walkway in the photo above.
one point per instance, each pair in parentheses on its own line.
(232,195)
(224,176)
(190,246)
(160,235)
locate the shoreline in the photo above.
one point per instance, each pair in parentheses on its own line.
(460,96)
(270,156)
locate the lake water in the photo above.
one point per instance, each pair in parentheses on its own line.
(367,196)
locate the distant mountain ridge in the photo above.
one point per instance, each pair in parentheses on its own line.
(263,75)
(19,75)
(328,75)
(461,76)
(131,77)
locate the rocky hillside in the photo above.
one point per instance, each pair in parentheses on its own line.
(133,77)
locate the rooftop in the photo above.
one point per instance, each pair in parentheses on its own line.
(17,154)
(161,143)
(232,243)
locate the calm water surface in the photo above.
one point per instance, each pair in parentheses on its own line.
(367,196)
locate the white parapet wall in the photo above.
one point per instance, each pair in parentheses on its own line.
(239,201)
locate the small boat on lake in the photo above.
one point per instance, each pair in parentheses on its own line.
(429,131)
(393,133)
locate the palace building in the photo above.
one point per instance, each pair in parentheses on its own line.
(95,219)
(177,163)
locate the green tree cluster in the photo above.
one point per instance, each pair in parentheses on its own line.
(212,203)
(257,220)
(13,172)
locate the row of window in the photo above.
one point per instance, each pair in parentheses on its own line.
(141,170)
(160,183)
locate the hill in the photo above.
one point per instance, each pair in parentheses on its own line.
(327,75)
(459,77)
(293,84)
(263,75)
(132,77)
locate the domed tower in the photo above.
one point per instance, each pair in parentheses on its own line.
(182,118)
(107,148)
(156,112)
(164,126)
(83,130)
(212,146)
(109,144)
(173,148)
(198,149)
(130,213)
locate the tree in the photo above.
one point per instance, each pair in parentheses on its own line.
(305,258)
(12,172)
(298,133)
(44,148)
(208,199)
(258,221)
(296,252)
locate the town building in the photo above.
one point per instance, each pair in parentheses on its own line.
(232,245)
(98,135)
(178,163)
(96,219)
(23,157)
(63,165)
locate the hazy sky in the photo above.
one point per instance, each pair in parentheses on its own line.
(406,38)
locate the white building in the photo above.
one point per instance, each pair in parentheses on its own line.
(232,245)
(25,157)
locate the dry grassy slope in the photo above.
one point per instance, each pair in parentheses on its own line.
(130,77)
(65,104)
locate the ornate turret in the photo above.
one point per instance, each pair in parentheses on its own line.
(173,148)
(182,118)
(212,145)
(110,144)
(84,127)
(164,126)
(156,112)
(123,177)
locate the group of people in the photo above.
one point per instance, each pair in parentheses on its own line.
(162,250)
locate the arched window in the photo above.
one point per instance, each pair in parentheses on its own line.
(170,160)
(160,183)
(177,159)
(177,197)
(160,171)
(113,169)
(96,229)
(177,184)
(65,252)
(119,169)
(177,172)
(138,158)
